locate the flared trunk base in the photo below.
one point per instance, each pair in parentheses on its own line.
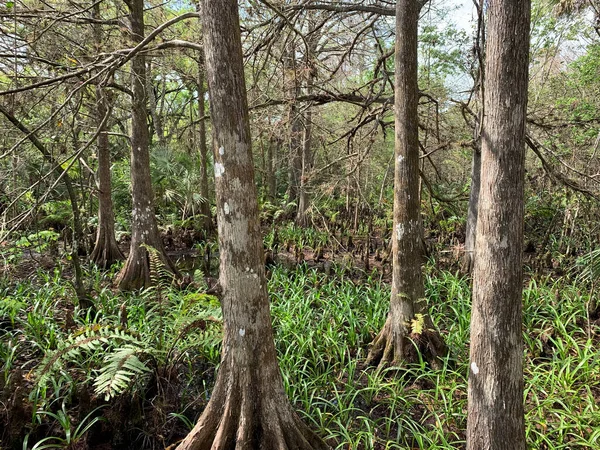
(395,346)
(245,414)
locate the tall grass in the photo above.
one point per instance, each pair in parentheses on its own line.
(323,325)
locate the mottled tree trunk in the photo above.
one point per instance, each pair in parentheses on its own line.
(203,148)
(106,251)
(393,344)
(495,393)
(144,229)
(471,226)
(248,409)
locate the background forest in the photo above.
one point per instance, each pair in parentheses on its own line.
(110,302)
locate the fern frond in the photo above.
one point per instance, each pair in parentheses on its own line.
(417,324)
(122,366)
(86,340)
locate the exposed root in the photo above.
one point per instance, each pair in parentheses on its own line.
(135,274)
(249,416)
(106,251)
(395,346)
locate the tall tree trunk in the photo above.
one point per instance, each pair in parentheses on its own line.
(307,156)
(292,92)
(248,408)
(306,164)
(106,251)
(272,152)
(495,394)
(393,344)
(153,107)
(471,225)
(144,229)
(204,192)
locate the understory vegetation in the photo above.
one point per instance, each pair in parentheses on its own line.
(137,371)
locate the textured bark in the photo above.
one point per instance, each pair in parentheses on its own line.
(248,408)
(393,344)
(203,148)
(144,229)
(471,226)
(106,251)
(495,393)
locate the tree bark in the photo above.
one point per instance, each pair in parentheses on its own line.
(204,192)
(153,107)
(106,251)
(272,152)
(144,229)
(248,408)
(495,393)
(471,226)
(292,88)
(473,209)
(307,156)
(393,345)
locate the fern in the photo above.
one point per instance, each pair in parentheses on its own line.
(122,366)
(88,340)
(417,324)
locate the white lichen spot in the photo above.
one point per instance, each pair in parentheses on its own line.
(474,368)
(226,208)
(242,332)
(221,151)
(399,231)
(247,269)
(255,275)
(400,158)
(219,169)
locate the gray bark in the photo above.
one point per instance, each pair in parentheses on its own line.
(392,345)
(495,393)
(144,229)
(203,149)
(106,250)
(248,408)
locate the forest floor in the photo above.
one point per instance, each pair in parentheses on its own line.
(62,386)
